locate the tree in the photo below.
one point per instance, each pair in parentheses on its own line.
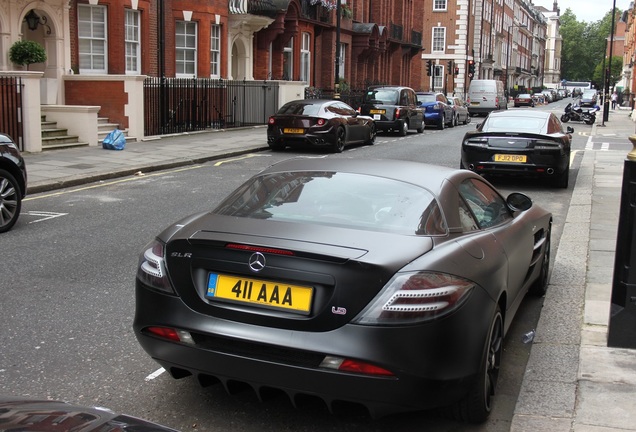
(26,52)
(617,71)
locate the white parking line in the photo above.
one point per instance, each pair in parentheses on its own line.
(155,374)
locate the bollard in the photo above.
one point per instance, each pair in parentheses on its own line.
(621,331)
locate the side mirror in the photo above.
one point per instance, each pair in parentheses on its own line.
(570,129)
(518,202)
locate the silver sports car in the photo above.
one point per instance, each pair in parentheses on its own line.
(381,282)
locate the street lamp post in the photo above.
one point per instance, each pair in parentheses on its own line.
(338,54)
(510,27)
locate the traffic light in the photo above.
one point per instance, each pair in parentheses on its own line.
(471,68)
(456,70)
(429,67)
(450,66)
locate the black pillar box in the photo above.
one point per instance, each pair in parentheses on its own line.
(622,324)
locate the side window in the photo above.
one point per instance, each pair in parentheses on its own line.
(466,217)
(485,203)
(404,98)
(345,110)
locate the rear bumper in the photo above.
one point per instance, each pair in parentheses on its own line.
(386,125)
(436,370)
(539,164)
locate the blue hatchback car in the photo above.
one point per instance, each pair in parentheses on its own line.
(437,111)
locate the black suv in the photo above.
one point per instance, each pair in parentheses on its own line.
(13,182)
(393,108)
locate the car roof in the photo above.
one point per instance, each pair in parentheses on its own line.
(520,113)
(429,176)
(376,87)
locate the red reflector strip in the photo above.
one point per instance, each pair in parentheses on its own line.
(165,333)
(361,367)
(258,249)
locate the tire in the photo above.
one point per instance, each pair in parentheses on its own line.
(421,128)
(10,201)
(565,118)
(372,136)
(339,144)
(442,123)
(540,286)
(467,119)
(404,128)
(589,119)
(477,405)
(563,179)
(453,121)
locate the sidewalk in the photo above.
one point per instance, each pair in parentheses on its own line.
(573,381)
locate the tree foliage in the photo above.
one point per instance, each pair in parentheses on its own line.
(616,71)
(584,48)
(26,52)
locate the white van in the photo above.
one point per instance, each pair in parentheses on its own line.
(485,96)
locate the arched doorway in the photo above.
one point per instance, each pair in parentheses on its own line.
(240,60)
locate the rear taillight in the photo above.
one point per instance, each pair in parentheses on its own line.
(397,113)
(355,366)
(152,267)
(271,120)
(414,297)
(170,334)
(321,122)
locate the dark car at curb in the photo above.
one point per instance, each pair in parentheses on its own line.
(521,143)
(329,124)
(13,182)
(22,414)
(393,108)
(384,283)
(437,111)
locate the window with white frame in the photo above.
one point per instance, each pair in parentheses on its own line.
(439,39)
(288,60)
(92,38)
(305,57)
(132,42)
(439,5)
(438,76)
(186,49)
(215,51)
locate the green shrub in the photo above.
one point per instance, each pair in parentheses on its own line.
(27,52)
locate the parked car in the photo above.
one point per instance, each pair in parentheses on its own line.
(385,283)
(524,99)
(437,111)
(329,124)
(549,97)
(22,414)
(588,98)
(460,109)
(13,182)
(523,143)
(393,108)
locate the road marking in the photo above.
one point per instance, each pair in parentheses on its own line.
(155,374)
(251,155)
(605,146)
(44,215)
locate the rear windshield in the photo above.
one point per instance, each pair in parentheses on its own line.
(424,98)
(382,96)
(476,86)
(516,124)
(300,108)
(338,199)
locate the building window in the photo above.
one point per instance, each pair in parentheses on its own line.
(305,57)
(186,47)
(438,78)
(131,29)
(439,39)
(341,61)
(215,51)
(439,5)
(92,38)
(288,60)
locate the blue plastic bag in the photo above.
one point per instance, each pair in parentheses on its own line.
(115,140)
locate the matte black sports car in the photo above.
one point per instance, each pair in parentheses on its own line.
(381,282)
(323,123)
(20,414)
(13,182)
(523,143)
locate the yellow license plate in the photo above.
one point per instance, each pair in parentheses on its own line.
(377,111)
(260,292)
(510,158)
(293,130)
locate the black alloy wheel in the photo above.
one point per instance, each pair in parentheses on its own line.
(372,135)
(10,201)
(477,405)
(341,136)
(442,123)
(404,128)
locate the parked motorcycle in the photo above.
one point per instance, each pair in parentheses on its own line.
(576,113)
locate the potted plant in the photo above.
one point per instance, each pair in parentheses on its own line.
(345,11)
(26,52)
